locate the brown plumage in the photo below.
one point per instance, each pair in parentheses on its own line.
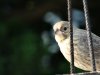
(81,49)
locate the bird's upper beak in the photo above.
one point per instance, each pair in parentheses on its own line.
(58,32)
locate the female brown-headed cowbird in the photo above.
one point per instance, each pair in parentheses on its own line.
(80,42)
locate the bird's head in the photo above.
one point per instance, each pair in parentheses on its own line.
(61,31)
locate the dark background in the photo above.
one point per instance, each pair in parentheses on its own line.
(22,51)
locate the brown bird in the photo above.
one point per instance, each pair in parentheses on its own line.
(81,49)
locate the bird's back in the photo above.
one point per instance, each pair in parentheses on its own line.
(82,49)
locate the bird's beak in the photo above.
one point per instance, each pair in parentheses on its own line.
(58,32)
(59,36)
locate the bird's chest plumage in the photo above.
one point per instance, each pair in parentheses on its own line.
(65,48)
(78,55)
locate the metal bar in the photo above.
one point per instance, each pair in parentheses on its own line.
(84,73)
(90,43)
(72,69)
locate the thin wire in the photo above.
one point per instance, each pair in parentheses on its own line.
(90,43)
(72,69)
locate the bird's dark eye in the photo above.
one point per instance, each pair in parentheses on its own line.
(65,28)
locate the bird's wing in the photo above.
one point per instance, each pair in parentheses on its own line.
(83,42)
(96,45)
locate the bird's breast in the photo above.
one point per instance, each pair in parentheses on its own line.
(65,48)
